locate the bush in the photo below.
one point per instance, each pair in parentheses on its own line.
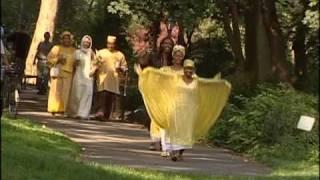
(265,124)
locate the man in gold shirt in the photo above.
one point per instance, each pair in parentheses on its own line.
(110,65)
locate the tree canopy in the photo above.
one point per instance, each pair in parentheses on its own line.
(249,41)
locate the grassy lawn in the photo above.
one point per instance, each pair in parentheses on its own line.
(30,151)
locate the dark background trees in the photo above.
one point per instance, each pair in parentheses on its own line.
(250,41)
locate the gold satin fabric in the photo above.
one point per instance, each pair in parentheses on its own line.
(187,112)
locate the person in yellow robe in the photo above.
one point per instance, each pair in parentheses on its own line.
(186,106)
(61,57)
(178,54)
(110,65)
(157,134)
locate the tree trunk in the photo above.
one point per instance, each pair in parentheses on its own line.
(189,43)
(276,41)
(233,33)
(90,6)
(236,32)
(300,60)
(258,58)
(300,57)
(45,22)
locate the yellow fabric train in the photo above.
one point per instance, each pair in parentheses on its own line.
(186,113)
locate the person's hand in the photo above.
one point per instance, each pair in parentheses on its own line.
(77,62)
(93,71)
(61,59)
(137,68)
(91,74)
(119,70)
(124,68)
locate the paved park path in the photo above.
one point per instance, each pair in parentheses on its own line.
(123,143)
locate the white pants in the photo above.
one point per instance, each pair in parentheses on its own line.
(166,145)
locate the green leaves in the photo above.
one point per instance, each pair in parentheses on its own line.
(268,119)
(119,7)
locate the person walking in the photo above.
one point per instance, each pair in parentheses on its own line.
(61,64)
(186,106)
(110,64)
(82,84)
(43,50)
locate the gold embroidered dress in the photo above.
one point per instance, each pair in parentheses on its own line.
(60,86)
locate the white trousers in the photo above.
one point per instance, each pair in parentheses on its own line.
(166,145)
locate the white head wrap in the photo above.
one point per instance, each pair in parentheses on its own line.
(81,45)
(178,48)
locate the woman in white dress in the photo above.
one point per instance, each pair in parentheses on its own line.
(82,84)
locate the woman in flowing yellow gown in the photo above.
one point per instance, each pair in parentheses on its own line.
(178,54)
(186,106)
(61,56)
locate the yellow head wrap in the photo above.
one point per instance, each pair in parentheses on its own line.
(66,33)
(188,63)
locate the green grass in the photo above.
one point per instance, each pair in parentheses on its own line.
(30,151)
(286,161)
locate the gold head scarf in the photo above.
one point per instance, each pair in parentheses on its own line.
(188,63)
(66,33)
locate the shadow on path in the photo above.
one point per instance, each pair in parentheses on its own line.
(127,144)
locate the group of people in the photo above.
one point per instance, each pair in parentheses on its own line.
(72,73)
(182,107)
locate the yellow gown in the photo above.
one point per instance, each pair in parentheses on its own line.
(155,130)
(187,112)
(60,87)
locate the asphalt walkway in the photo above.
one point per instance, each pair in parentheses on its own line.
(122,143)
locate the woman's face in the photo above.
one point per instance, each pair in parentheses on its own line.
(188,71)
(175,31)
(86,43)
(166,45)
(66,40)
(177,58)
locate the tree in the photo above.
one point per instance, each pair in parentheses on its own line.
(231,8)
(265,43)
(257,47)
(45,22)
(14,13)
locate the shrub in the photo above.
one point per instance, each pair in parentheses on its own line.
(265,124)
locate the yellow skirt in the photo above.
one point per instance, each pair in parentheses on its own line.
(155,131)
(59,93)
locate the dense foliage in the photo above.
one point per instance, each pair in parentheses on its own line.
(264,123)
